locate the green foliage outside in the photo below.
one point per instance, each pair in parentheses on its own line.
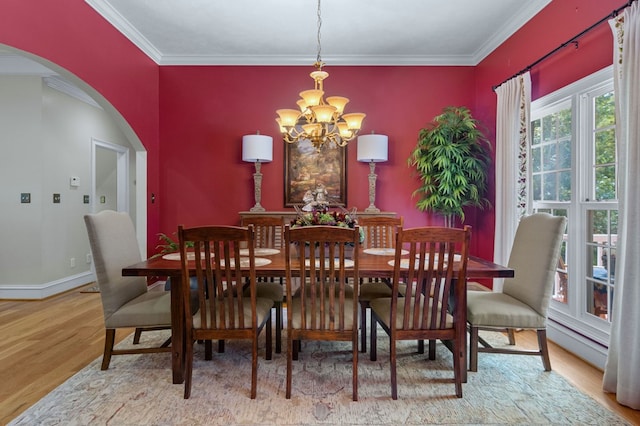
(451,158)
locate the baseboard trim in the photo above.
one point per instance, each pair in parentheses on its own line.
(42,291)
(579,345)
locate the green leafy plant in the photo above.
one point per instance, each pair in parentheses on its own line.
(452,161)
(169,245)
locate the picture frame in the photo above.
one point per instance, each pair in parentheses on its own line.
(306,169)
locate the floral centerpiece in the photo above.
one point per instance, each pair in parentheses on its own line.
(341,218)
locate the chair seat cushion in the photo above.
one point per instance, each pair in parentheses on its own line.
(348,291)
(150,309)
(375,290)
(494,309)
(294,311)
(382,308)
(272,291)
(263,308)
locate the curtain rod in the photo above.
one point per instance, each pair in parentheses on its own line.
(573,40)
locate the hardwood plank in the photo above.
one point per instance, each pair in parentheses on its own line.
(47,341)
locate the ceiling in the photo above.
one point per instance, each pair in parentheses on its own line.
(284,32)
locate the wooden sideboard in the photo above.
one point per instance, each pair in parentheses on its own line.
(291,214)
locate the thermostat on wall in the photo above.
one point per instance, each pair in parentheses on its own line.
(74,181)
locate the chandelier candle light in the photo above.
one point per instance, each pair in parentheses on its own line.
(257,149)
(372,149)
(318,120)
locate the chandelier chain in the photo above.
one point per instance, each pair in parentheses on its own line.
(319,59)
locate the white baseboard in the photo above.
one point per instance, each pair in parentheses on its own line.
(590,351)
(42,291)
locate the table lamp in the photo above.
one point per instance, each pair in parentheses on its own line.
(372,149)
(257,149)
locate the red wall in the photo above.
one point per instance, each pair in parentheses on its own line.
(191,119)
(205,111)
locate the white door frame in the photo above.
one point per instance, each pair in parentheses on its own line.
(122,174)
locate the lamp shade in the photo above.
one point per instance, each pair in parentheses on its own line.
(257,148)
(372,148)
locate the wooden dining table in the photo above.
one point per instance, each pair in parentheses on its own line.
(370,266)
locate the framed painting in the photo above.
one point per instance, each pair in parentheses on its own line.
(306,170)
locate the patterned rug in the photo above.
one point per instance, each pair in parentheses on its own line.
(137,390)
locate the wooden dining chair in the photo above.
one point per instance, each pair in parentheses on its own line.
(269,232)
(325,306)
(222,311)
(435,276)
(380,233)
(126,301)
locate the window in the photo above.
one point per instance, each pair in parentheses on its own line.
(573,174)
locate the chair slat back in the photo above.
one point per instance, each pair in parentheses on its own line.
(316,254)
(268,230)
(380,231)
(434,275)
(220,273)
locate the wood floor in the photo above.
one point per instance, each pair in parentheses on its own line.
(45,342)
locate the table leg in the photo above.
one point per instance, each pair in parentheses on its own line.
(177,330)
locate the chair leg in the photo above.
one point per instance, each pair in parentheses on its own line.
(420,346)
(394,375)
(208,350)
(457,363)
(289,364)
(109,340)
(511,334)
(363,327)
(220,346)
(354,367)
(544,349)
(268,339)
(254,360)
(432,349)
(373,347)
(279,326)
(188,366)
(473,349)
(136,336)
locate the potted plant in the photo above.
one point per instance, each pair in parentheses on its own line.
(452,160)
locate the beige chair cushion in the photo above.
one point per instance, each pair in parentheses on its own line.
(382,308)
(492,309)
(272,291)
(263,308)
(151,309)
(375,290)
(294,311)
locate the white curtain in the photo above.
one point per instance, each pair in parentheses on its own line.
(512,140)
(622,370)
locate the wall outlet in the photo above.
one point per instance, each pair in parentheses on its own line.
(88,257)
(25,197)
(72,262)
(85,199)
(56,198)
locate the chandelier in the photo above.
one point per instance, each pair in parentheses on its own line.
(318,120)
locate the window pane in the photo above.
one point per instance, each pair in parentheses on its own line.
(550,186)
(548,128)
(565,186)
(605,183)
(536,187)
(536,160)
(564,154)
(604,110)
(536,135)
(564,123)
(605,147)
(549,157)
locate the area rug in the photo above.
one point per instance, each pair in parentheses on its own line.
(137,390)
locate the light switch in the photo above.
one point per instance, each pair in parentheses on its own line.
(25,197)
(56,198)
